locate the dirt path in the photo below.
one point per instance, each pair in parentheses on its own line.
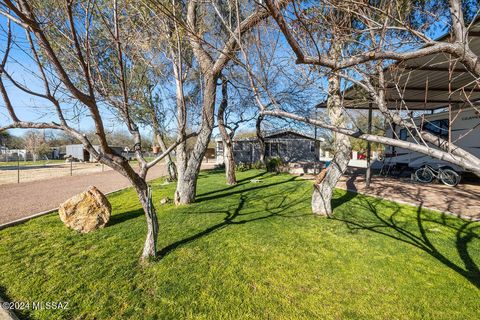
(25,199)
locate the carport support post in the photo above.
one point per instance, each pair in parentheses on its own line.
(368,175)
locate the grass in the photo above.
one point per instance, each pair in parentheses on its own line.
(251,251)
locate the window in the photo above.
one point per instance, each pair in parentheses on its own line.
(275,149)
(238,146)
(437,127)
(312,147)
(272,149)
(268,149)
(403,134)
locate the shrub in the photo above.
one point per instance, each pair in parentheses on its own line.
(258,165)
(241,166)
(274,164)
(220,166)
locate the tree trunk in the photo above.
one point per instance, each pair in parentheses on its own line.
(181,150)
(181,153)
(187,180)
(323,188)
(186,187)
(145,196)
(229,163)
(261,140)
(326,182)
(228,156)
(171,167)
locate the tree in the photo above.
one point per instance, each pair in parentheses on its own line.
(10,141)
(380,31)
(360,122)
(81,51)
(36,144)
(211,64)
(227,138)
(232,113)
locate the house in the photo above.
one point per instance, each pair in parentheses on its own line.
(288,145)
(78,152)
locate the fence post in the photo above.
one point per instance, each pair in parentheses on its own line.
(71,167)
(18,168)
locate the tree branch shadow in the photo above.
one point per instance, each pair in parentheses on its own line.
(239,183)
(231,216)
(261,185)
(415,233)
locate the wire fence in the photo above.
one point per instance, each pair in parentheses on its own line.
(17,170)
(18,166)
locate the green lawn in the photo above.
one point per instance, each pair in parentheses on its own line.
(251,251)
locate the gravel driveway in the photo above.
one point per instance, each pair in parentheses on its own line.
(25,199)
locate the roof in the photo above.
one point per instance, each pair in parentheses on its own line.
(276,134)
(424,82)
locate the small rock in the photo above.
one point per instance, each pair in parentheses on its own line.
(87,211)
(165,201)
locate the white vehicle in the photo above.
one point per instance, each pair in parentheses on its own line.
(465,133)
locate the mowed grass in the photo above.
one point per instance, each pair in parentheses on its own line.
(251,251)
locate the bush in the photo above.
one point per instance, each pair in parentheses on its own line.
(220,166)
(274,164)
(242,166)
(258,165)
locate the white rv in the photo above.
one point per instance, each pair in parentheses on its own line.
(465,133)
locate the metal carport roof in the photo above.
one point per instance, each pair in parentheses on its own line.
(426,83)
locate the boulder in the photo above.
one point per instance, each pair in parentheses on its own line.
(87,211)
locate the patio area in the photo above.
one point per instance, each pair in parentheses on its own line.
(462,200)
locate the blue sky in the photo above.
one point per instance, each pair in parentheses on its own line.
(35,109)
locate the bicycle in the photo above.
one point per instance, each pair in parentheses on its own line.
(427,173)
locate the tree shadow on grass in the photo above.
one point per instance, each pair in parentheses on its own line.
(238,184)
(260,185)
(231,216)
(412,230)
(123,217)
(21,314)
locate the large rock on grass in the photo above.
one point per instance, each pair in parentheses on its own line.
(87,211)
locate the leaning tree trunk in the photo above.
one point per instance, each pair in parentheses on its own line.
(261,140)
(328,178)
(228,155)
(145,196)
